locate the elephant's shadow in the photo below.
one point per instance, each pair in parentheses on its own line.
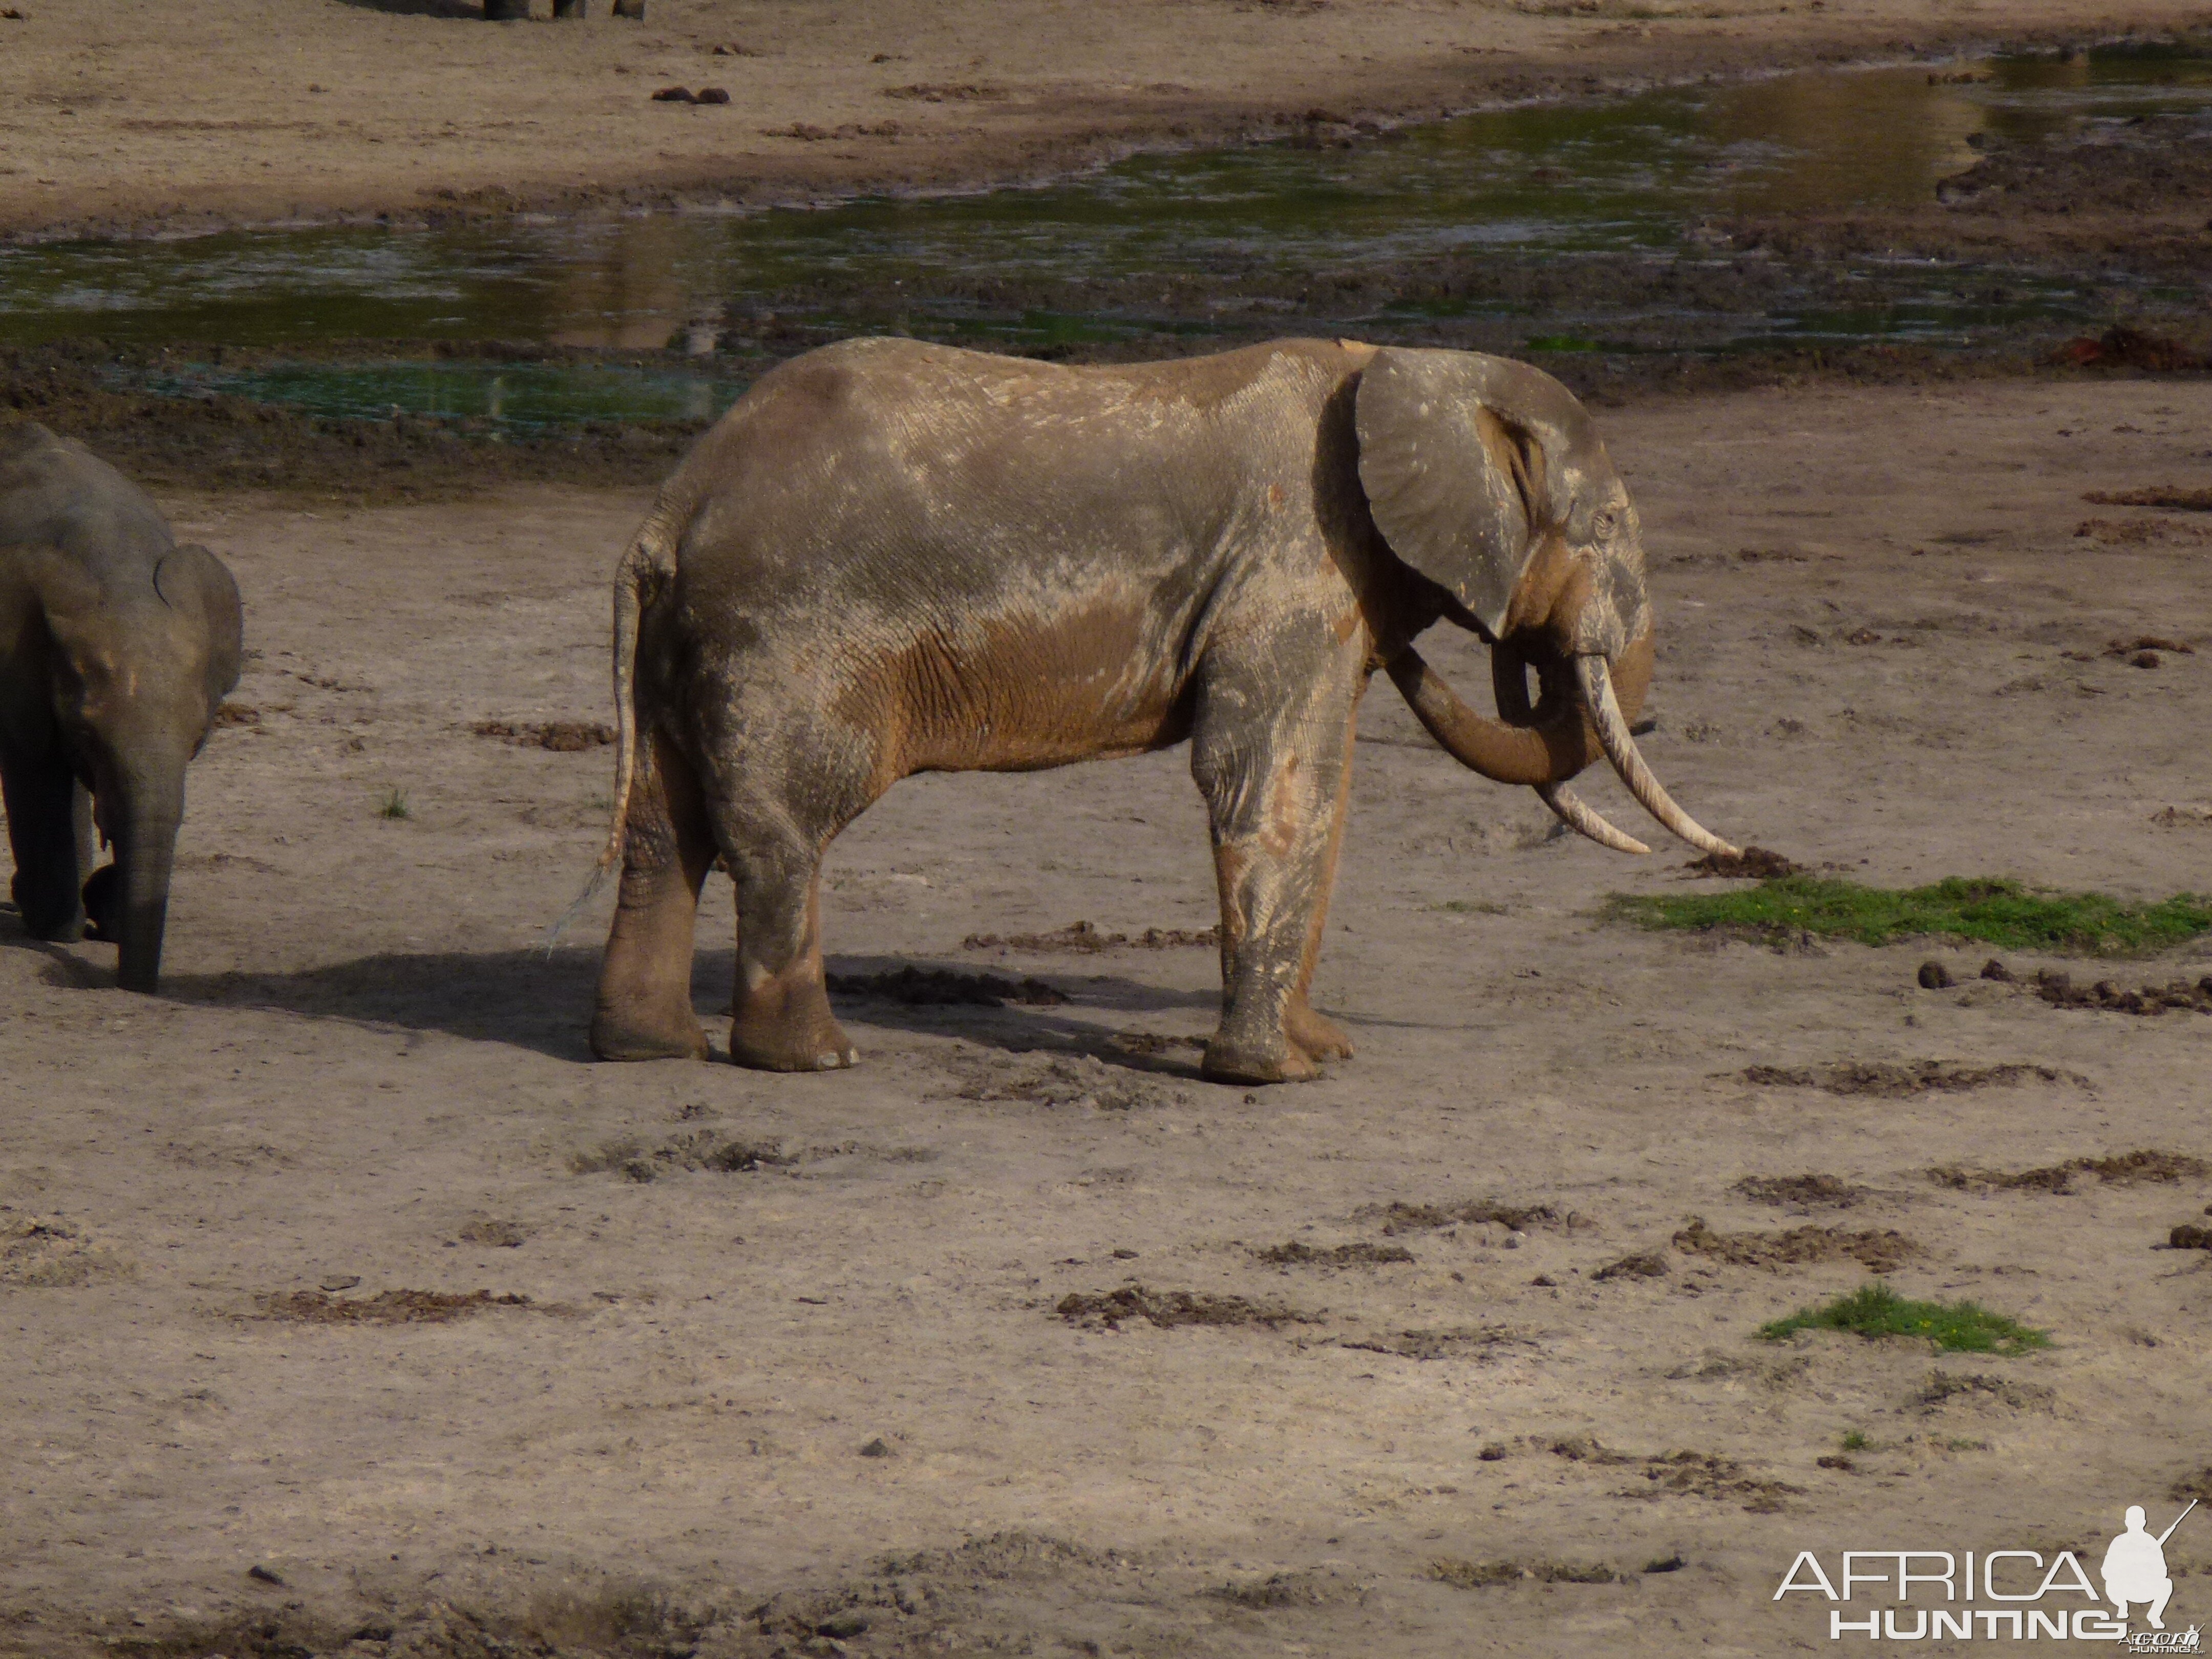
(542,1001)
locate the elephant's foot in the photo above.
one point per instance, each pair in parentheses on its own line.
(1321,1037)
(626,1031)
(784,1024)
(1273,1059)
(57,923)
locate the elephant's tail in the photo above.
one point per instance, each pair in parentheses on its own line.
(647,565)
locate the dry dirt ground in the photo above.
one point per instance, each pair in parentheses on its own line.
(139,114)
(777,1364)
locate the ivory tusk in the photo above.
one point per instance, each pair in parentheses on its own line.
(1604,711)
(1584,820)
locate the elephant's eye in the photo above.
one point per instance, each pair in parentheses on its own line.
(1604,524)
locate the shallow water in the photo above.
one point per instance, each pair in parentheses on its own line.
(1640,173)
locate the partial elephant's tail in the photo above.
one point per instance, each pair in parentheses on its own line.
(647,565)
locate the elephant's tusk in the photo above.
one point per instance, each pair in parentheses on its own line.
(1620,749)
(1584,820)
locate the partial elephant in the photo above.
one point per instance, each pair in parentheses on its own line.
(891,558)
(116,647)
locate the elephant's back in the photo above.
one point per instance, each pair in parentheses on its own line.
(55,493)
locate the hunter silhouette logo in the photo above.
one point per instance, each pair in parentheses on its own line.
(2134,1567)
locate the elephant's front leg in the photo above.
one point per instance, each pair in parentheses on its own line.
(39,799)
(644,1010)
(1276,778)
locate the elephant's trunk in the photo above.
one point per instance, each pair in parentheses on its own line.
(143,826)
(1545,745)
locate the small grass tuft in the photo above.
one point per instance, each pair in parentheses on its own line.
(1875,1311)
(394,805)
(1854,1440)
(2006,913)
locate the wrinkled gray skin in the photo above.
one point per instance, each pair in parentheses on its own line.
(116,647)
(892,557)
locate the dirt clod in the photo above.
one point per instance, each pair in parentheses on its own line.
(500,1235)
(1084,937)
(699,1150)
(2122,1170)
(1886,1080)
(2190,1237)
(1486,1575)
(386,1307)
(1081,1081)
(1461,1343)
(1645,1264)
(562,737)
(2167,496)
(2121,347)
(1360,1254)
(1753,863)
(1944,1386)
(1313,1588)
(1168,1308)
(2058,988)
(1878,1251)
(1935,976)
(1806,1189)
(932,987)
(1426,1217)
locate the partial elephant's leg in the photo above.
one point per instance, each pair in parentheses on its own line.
(1272,753)
(42,834)
(780,1017)
(644,1010)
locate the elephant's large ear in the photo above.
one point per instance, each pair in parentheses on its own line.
(1460,455)
(192,580)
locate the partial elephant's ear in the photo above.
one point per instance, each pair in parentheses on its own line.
(194,581)
(1464,460)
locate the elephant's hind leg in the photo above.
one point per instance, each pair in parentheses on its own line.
(42,834)
(644,1010)
(780,1017)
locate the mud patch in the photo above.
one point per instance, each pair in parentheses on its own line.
(1885,1080)
(1315,1586)
(1361,1255)
(1751,864)
(1106,1310)
(1943,1386)
(2058,988)
(1644,1264)
(1488,1574)
(2167,496)
(700,1150)
(1083,1082)
(934,987)
(1462,1342)
(498,1234)
(386,1307)
(1427,1217)
(48,1253)
(562,737)
(2121,1170)
(2139,532)
(1881,1252)
(1808,1190)
(1149,1043)
(1084,937)
(1681,1475)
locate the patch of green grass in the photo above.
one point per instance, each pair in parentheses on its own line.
(1854,1440)
(394,805)
(1875,1311)
(2006,913)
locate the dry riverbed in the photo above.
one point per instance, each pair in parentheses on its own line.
(347,1306)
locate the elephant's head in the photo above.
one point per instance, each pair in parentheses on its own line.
(137,675)
(1488,477)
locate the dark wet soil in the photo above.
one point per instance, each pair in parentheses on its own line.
(1878,1251)
(385,1308)
(1886,1080)
(932,987)
(2121,1170)
(1753,863)
(1644,1264)
(1488,1575)
(1107,1310)
(1680,1473)
(1805,1189)
(1361,1255)
(1426,1217)
(562,737)
(1085,938)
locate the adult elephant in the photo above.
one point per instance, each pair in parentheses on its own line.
(891,558)
(117,645)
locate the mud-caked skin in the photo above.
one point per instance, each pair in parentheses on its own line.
(892,557)
(116,647)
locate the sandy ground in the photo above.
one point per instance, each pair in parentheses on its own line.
(1883,649)
(137,114)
